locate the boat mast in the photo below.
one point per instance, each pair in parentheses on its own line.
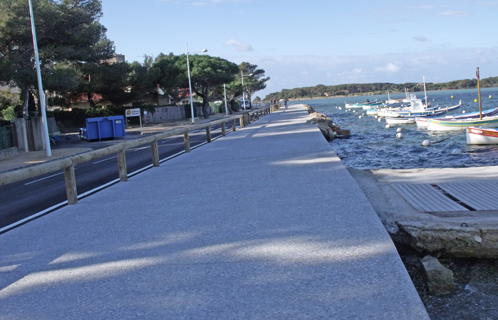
(425,93)
(479,89)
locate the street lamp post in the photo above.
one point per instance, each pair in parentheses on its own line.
(40,85)
(225,90)
(243,89)
(190,82)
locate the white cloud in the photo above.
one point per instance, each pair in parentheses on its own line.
(422,7)
(238,45)
(389,68)
(456,14)
(419,38)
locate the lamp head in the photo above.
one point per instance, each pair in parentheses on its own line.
(204,50)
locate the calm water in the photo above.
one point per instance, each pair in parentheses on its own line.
(372,146)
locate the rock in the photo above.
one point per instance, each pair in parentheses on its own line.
(326,131)
(343,133)
(439,278)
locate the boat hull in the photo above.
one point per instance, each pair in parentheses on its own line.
(400,120)
(481,136)
(459,124)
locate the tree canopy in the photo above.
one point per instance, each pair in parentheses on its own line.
(68,33)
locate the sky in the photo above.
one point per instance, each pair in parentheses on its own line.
(306,43)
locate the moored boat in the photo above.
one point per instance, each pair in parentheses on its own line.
(400,120)
(440,124)
(422,121)
(481,136)
(365,105)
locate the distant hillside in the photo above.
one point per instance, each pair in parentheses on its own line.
(321,91)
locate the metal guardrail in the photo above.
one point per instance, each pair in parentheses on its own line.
(68,164)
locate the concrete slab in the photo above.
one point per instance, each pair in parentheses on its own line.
(265,223)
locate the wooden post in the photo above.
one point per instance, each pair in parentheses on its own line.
(223,131)
(186,142)
(208,134)
(241,121)
(122,168)
(234,127)
(71,191)
(154,147)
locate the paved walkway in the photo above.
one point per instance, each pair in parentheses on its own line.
(263,223)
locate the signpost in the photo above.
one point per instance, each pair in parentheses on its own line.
(134,113)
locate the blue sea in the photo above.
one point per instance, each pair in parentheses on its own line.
(372,146)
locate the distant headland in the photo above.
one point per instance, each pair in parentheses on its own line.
(361,89)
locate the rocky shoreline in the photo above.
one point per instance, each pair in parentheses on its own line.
(329,129)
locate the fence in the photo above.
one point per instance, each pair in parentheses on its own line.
(68,164)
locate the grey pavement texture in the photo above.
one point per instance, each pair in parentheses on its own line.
(263,223)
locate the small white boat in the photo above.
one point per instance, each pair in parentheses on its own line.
(392,101)
(481,136)
(365,105)
(400,120)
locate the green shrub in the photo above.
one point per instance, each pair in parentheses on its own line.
(9,114)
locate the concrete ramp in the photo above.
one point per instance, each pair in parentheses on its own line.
(263,223)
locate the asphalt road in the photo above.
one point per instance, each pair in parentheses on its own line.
(32,196)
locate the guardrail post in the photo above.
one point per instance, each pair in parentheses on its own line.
(208,134)
(241,121)
(154,147)
(122,168)
(186,142)
(223,131)
(70,180)
(234,125)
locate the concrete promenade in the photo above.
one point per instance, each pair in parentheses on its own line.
(263,223)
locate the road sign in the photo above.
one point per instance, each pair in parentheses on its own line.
(133,112)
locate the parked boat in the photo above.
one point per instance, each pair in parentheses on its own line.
(481,136)
(458,124)
(400,120)
(414,119)
(438,124)
(392,101)
(365,105)
(422,121)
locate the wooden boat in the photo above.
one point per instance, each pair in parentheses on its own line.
(365,105)
(422,121)
(481,136)
(458,124)
(392,101)
(440,124)
(400,120)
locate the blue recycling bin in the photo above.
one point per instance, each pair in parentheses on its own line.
(104,128)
